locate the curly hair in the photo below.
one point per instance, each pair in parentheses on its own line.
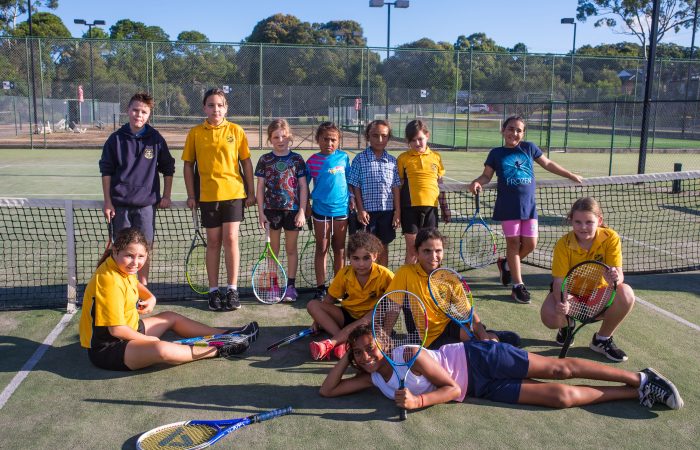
(364,240)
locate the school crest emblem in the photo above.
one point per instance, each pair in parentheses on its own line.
(229,139)
(148,153)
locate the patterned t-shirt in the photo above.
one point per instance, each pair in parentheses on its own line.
(281,174)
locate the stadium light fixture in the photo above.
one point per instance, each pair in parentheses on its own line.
(92,72)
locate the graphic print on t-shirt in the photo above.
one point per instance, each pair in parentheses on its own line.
(517,169)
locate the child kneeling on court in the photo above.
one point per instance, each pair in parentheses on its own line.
(110,328)
(590,239)
(492,370)
(358,286)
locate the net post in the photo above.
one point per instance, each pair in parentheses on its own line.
(71,266)
(676,187)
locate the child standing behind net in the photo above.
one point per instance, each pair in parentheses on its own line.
(515,202)
(282,194)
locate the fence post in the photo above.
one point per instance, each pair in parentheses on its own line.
(677,167)
(612,138)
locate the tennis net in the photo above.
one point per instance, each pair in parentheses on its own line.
(49,248)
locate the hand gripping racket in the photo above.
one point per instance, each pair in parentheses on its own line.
(269,278)
(588,294)
(477,246)
(451,293)
(195,263)
(400,328)
(197,434)
(291,338)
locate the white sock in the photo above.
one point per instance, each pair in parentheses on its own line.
(506,266)
(601,338)
(232,286)
(642,379)
(213,289)
(518,284)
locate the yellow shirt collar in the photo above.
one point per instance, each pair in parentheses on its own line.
(209,126)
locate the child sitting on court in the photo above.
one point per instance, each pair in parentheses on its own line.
(589,239)
(358,286)
(282,194)
(110,328)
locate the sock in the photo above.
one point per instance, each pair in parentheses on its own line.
(518,284)
(643,378)
(321,287)
(599,337)
(213,289)
(505,265)
(291,281)
(232,286)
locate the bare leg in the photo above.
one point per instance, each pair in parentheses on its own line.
(383,258)
(613,317)
(550,317)
(232,254)
(410,248)
(322,233)
(340,230)
(513,258)
(213,255)
(290,245)
(328,317)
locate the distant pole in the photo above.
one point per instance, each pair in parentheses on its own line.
(31,69)
(648,84)
(570,21)
(690,61)
(92,72)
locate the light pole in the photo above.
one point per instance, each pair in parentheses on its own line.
(570,21)
(395,4)
(92,73)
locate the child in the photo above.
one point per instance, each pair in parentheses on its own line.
(442,330)
(131,159)
(375,183)
(282,194)
(359,286)
(218,147)
(421,172)
(495,371)
(590,239)
(330,196)
(515,203)
(110,327)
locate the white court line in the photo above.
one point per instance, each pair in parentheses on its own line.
(454,179)
(670,315)
(29,365)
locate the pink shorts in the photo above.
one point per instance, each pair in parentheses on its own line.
(524,228)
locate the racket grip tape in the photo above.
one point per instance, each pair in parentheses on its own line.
(271,414)
(403,414)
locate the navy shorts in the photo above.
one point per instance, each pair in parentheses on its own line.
(414,218)
(214,214)
(141,217)
(281,218)
(110,355)
(347,318)
(496,370)
(380,225)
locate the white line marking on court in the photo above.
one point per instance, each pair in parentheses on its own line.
(670,315)
(454,179)
(29,365)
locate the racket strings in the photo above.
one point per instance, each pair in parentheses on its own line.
(451,295)
(196,270)
(479,246)
(268,280)
(180,436)
(399,321)
(587,291)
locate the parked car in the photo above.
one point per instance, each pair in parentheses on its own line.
(474,108)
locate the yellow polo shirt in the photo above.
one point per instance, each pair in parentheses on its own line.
(419,173)
(356,299)
(412,278)
(217,151)
(606,248)
(109,300)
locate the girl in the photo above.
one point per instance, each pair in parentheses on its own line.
(494,371)
(421,172)
(429,245)
(110,327)
(330,196)
(282,194)
(359,286)
(590,239)
(515,203)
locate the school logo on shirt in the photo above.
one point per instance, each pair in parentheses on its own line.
(148,153)
(434,167)
(229,139)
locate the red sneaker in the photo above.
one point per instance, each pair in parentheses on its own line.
(340,350)
(321,349)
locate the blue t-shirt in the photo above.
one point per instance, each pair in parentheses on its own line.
(330,193)
(516,181)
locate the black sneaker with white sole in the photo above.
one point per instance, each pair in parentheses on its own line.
(250,331)
(608,348)
(231,349)
(564,333)
(215,301)
(520,294)
(231,301)
(504,274)
(658,389)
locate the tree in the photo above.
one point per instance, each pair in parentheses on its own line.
(43,25)
(10,10)
(128,29)
(633,17)
(283,29)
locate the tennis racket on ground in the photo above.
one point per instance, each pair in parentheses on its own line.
(400,328)
(451,293)
(588,294)
(291,338)
(195,263)
(477,246)
(214,340)
(307,262)
(269,278)
(196,434)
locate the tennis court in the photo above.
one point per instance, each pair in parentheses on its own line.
(66,401)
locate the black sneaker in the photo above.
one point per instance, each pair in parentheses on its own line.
(230,349)
(564,333)
(504,273)
(250,331)
(520,294)
(507,337)
(658,389)
(215,300)
(231,300)
(320,294)
(608,348)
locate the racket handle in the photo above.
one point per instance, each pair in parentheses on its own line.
(402,414)
(271,414)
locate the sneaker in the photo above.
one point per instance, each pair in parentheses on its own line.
(507,337)
(215,300)
(608,348)
(340,350)
(564,333)
(234,348)
(231,300)
(505,274)
(250,331)
(290,295)
(520,294)
(321,349)
(658,389)
(320,294)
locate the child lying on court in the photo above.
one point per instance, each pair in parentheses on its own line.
(110,328)
(490,370)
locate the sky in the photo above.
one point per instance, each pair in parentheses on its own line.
(536,23)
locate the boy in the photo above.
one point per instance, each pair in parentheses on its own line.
(131,159)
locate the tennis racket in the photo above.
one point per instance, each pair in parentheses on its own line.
(291,338)
(269,278)
(588,294)
(400,328)
(307,262)
(195,263)
(477,246)
(214,340)
(196,434)
(110,241)
(452,295)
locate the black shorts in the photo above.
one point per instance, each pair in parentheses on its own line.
(214,214)
(414,218)
(347,318)
(380,225)
(449,335)
(110,355)
(322,218)
(281,218)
